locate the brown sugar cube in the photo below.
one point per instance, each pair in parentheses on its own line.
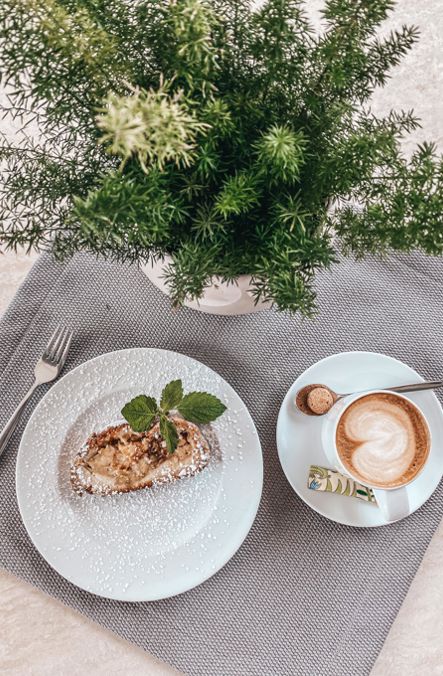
(320,400)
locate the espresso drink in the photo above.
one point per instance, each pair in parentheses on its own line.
(382,440)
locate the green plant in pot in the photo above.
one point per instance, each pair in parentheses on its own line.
(216,139)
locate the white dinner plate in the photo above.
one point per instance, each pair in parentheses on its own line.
(299,435)
(153,543)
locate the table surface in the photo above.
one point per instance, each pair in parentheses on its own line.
(60,641)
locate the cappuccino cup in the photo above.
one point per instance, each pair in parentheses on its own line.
(380,439)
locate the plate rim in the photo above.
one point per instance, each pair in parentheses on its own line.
(228,552)
(280,422)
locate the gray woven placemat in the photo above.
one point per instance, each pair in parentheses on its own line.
(303,595)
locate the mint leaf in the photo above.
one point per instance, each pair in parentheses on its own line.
(169,433)
(172,395)
(201,407)
(140,412)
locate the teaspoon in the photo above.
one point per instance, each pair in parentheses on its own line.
(318,399)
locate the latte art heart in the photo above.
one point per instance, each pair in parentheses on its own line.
(382,439)
(385,441)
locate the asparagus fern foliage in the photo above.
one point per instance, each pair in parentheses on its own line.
(215,132)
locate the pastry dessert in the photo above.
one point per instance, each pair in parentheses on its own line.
(119,460)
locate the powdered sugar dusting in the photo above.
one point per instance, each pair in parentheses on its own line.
(152,542)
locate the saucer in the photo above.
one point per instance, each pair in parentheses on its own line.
(299,436)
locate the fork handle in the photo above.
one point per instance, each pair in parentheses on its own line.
(13,421)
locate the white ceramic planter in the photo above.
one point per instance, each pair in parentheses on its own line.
(218,299)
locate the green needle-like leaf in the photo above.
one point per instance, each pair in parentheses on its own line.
(231,137)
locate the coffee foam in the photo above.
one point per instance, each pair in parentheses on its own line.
(382,439)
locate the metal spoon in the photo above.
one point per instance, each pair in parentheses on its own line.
(318,399)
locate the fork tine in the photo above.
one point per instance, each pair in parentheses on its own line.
(67,344)
(56,348)
(49,347)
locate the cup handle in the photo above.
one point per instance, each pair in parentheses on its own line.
(394,504)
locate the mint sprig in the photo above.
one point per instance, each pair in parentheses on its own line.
(197,407)
(200,407)
(140,412)
(169,433)
(172,395)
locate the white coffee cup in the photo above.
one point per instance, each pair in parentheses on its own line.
(393,502)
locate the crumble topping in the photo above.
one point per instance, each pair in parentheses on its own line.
(120,460)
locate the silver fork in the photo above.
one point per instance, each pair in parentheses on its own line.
(47,368)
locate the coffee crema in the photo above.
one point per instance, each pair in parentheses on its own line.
(383,440)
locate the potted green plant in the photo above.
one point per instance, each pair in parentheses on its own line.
(219,141)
